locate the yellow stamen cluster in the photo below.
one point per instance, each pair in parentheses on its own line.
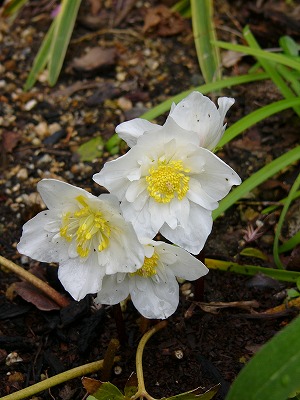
(149,267)
(168,180)
(87,227)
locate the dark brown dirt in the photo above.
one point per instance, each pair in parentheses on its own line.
(41,131)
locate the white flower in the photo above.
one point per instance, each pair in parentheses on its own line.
(196,113)
(85,234)
(154,289)
(167,183)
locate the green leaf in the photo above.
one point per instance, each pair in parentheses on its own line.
(65,22)
(196,394)
(252,252)
(204,89)
(204,36)
(255,117)
(257,178)
(13,7)
(273,373)
(289,46)
(113,144)
(269,67)
(41,58)
(290,244)
(279,274)
(107,391)
(286,206)
(91,149)
(258,53)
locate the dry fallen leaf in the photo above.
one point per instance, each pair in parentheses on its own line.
(10,140)
(91,385)
(33,295)
(95,58)
(165,21)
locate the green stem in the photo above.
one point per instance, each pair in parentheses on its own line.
(38,283)
(142,393)
(56,380)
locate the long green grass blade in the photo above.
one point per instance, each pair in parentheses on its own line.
(204,36)
(270,68)
(65,22)
(273,373)
(281,202)
(228,266)
(290,244)
(289,76)
(41,58)
(255,117)
(286,206)
(276,58)
(257,178)
(13,7)
(204,89)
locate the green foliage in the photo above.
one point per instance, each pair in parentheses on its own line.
(273,373)
(286,206)
(91,150)
(253,252)
(204,36)
(107,391)
(257,178)
(278,274)
(54,47)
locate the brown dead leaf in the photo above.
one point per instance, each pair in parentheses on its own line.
(164,21)
(91,385)
(95,58)
(214,306)
(10,140)
(35,296)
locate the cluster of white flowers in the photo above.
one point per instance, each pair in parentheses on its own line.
(168,182)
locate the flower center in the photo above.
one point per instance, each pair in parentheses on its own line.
(87,227)
(149,267)
(167,180)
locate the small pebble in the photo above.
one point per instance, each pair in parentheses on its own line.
(30,104)
(22,174)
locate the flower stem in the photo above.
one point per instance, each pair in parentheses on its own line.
(108,360)
(56,380)
(120,325)
(142,393)
(38,283)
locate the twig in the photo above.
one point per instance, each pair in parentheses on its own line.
(38,283)
(56,380)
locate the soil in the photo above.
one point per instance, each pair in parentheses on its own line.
(41,131)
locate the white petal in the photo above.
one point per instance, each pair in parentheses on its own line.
(37,243)
(199,114)
(56,194)
(113,289)
(217,177)
(224,104)
(193,236)
(156,300)
(79,277)
(140,220)
(198,195)
(185,265)
(134,190)
(170,131)
(130,131)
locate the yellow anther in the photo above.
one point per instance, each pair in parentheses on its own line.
(149,267)
(87,227)
(168,180)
